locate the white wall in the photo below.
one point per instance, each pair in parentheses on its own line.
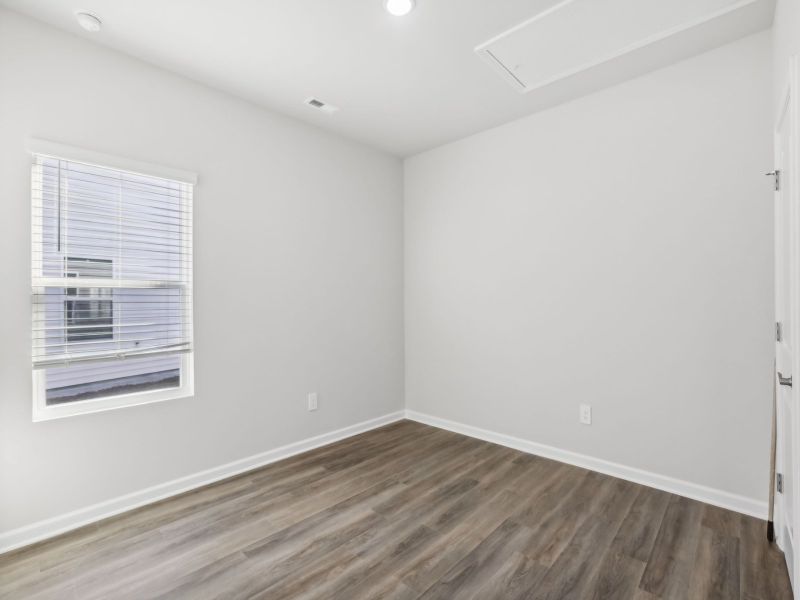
(616,250)
(298,275)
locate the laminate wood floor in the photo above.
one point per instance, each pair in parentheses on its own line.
(408,511)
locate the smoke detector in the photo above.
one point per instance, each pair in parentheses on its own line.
(320,105)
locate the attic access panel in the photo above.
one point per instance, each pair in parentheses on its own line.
(575,35)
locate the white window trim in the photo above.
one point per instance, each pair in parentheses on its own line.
(99,159)
(43,412)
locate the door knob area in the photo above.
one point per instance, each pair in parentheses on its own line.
(784,380)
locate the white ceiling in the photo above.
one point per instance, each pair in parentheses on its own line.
(402,84)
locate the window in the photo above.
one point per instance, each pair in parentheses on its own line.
(111,284)
(92,317)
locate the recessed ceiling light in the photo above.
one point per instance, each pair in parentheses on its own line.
(398,8)
(88,21)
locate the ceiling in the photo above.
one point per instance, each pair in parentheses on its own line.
(402,84)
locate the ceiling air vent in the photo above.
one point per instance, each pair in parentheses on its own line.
(320,105)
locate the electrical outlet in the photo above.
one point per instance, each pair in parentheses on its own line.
(585,414)
(312,401)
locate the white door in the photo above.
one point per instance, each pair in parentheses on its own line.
(787,310)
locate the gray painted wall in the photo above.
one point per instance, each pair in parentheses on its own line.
(298,275)
(616,251)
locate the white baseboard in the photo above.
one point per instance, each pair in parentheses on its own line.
(735,502)
(35,532)
(41,530)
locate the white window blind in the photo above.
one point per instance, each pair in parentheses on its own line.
(111,268)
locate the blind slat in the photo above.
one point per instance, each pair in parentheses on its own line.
(65,360)
(98,282)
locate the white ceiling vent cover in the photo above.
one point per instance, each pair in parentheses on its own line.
(575,35)
(320,105)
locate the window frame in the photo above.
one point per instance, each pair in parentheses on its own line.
(41,411)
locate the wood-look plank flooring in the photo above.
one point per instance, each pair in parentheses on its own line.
(404,512)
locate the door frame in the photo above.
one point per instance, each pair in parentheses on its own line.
(789,108)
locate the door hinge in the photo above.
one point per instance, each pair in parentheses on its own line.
(779,482)
(776,175)
(778,332)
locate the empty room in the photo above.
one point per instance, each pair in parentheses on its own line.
(399,299)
